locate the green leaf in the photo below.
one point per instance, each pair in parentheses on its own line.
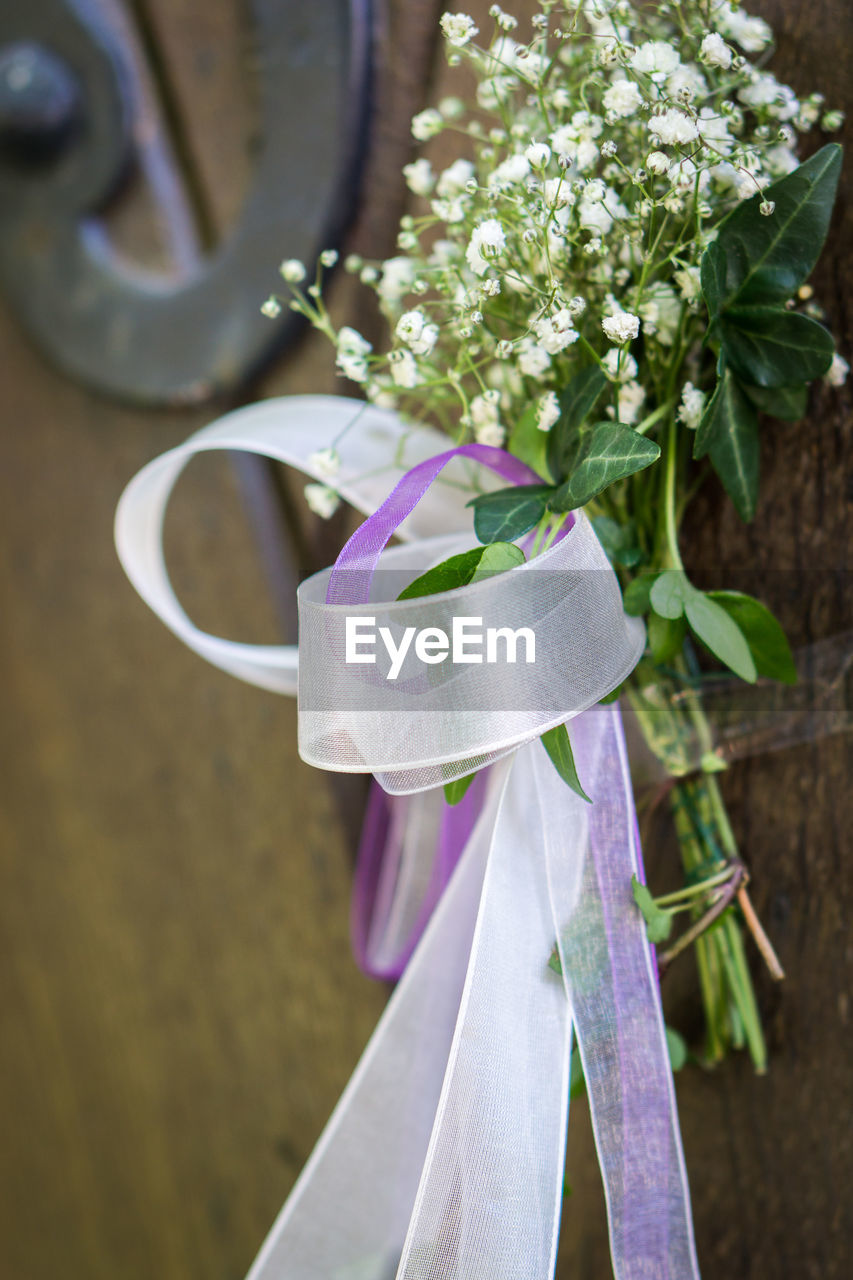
(677,1049)
(577,1086)
(506,514)
(670,592)
(715,628)
(762,259)
(497,557)
(613,696)
(455,790)
(658,922)
(577,402)
(729,432)
(787,403)
(635,599)
(618,540)
(713,275)
(558,745)
(772,347)
(666,637)
(468,566)
(767,641)
(606,452)
(530,444)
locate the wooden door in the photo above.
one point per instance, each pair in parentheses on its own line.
(179,1007)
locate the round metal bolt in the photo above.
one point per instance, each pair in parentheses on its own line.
(39,102)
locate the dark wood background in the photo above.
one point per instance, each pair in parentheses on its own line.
(178,1006)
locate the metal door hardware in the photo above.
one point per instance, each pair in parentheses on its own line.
(71,121)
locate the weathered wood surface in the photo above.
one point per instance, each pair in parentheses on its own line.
(179,1009)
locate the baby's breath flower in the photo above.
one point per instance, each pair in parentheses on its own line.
(404,369)
(655,58)
(352,352)
(328,257)
(629,402)
(458,28)
(271,308)
(398,275)
(556,332)
(673,127)
(622,99)
(451,108)
(322,500)
(619,365)
(689,284)
(487,242)
(752,34)
(692,406)
(484,415)
(576,306)
(504,20)
(426,124)
(831,121)
(622,326)
(548,411)
(325,461)
(608,148)
(419,177)
(533,359)
(292,270)
(657,162)
(767,208)
(836,375)
(353,263)
(715,52)
(538,154)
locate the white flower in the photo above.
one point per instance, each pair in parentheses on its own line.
(458,28)
(682,175)
(484,416)
(657,162)
(692,406)
(556,332)
(622,326)
(533,359)
(538,154)
(548,411)
(715,51)
(619,365)
(404,369)
(504,20)
(689,284)
(271,308)
(714,128)
(622,98)
(686,81)
(452,181)
(673,127)
(837,372)
(322,500)
(594,216)
(660,312)
(630,397)
(594,191)
(514,169)
(656,58)
(419,176)
(398,275)
(577,306)
(410,326)
(292,270)
(426,124)
(752,34)
(352,350)
(328,257)
(326,462)
(486,243)
(449,211)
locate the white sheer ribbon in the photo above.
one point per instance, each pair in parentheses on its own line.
(444,1156)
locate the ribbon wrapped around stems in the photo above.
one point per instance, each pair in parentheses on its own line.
(444,1156)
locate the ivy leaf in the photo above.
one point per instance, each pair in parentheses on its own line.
(577,402)
(530,444)
(506,514)
(618,540)
(666,637)
(606,452)
(459,570)
(635,599)
(760,259)
(658,922)
(669,593)
(716,629)
(787,403)
(455,790)
(772,347)
(558,745)
(676,1048)
(729,432)
(767,641)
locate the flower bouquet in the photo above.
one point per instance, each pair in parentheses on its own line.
(598,299)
